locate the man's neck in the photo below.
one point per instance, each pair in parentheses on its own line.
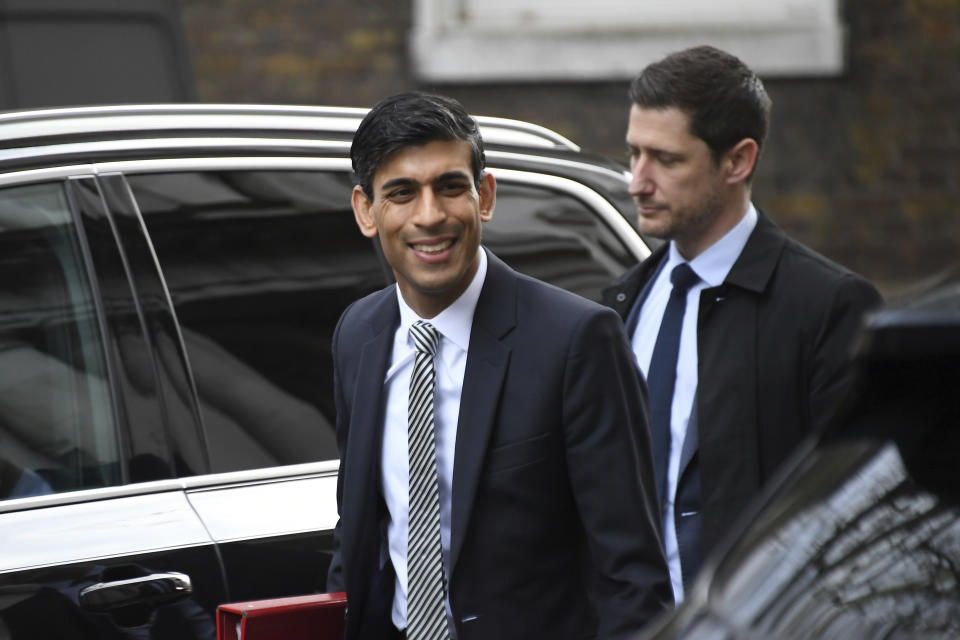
(731,214)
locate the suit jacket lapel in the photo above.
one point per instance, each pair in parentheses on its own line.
(486,370)
(362,484)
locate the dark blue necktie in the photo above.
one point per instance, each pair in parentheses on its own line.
(662,375)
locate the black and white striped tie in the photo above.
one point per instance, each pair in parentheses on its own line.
(426,610)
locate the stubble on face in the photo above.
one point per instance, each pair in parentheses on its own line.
(676,183)
(681,222)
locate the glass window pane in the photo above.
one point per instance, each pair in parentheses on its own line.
(555,237)
(56,424)
(260,265)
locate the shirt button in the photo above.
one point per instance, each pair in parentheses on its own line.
(621,297)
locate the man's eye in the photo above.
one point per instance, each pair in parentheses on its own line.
(399,194)
(453,188)
(667,159)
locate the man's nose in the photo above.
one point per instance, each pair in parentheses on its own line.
(641,182)
(428,211)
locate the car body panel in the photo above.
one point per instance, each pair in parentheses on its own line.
(219,248)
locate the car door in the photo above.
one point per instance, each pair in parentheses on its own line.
(260,257)
(97,537)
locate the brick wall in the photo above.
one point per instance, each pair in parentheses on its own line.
(865,167)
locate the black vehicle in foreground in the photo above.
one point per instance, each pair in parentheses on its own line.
(860,538)
(170,277)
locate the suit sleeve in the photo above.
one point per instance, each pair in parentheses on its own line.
(836,337)
(611,473)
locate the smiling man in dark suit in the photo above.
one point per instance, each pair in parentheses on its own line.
(743,334)
(530,510)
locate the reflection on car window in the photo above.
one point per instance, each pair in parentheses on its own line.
(555,237)
(56,424)
(260,265)
(874,553)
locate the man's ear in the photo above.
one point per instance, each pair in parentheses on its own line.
(362,212)
(740,160)
(488,196)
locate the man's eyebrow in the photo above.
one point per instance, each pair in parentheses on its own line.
(396,182)
(452,175)
(443,177)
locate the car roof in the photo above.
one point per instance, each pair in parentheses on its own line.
(49,126)
(921,323)
(44,138)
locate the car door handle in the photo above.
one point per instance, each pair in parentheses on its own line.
(152,590)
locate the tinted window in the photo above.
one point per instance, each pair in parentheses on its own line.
(555,237)
(260,265)
(853,548)
(56,424)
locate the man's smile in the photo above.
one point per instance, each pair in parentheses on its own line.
(433,247)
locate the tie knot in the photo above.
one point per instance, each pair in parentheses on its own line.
(425,337)
(683,277)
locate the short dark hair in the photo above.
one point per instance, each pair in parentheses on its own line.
(411,119)
(724,98)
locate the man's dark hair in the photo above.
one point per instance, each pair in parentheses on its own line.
(724,98)
(409,120)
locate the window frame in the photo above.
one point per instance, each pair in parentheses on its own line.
(455,42)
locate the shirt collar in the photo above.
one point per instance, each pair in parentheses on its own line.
(715,262)
(454,322)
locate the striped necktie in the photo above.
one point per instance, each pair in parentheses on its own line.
(426,609)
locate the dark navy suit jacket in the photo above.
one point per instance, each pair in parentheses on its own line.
(553,490)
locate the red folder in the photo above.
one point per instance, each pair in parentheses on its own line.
(314,617)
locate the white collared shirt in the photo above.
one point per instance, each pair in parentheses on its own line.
(453,324)
(712,266)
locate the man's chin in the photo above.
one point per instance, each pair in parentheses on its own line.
(654,229)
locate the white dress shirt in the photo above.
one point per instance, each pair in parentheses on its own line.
(712,266)
(453,324)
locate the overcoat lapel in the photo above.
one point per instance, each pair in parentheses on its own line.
(487,361)
(621,295)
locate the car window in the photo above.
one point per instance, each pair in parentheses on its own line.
(555,237)
(57,429)
(260,265)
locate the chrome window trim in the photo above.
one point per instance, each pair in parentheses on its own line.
(192,483)
(560,162)
(246,163)
(45,174)
(259,476)
(610,214)
(130,167)
(165,144)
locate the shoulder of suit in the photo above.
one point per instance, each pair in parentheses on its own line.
(554,305)
(371,300)
(361,312)
(802,260)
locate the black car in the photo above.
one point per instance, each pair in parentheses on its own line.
(860,537)
(170,279)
